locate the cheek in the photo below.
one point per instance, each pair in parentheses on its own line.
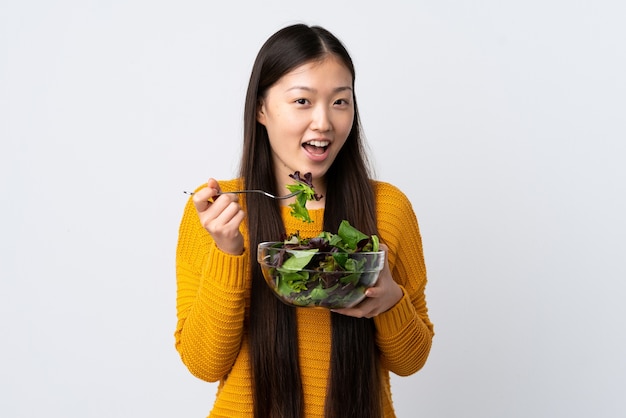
(284,123)
(346,125)
(283,137)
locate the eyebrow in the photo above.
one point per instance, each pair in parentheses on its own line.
(312,90)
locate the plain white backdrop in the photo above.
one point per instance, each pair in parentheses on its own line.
(504,122)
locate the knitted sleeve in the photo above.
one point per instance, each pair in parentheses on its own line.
(210,302)
(404,333)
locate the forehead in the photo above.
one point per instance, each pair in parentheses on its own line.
(328,69)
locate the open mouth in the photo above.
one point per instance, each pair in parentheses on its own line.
(316,147)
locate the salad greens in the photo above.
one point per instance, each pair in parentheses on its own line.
(304,185)
(330,270)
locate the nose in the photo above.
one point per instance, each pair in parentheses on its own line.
(320,119)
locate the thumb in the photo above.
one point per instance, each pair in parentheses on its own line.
(213,184)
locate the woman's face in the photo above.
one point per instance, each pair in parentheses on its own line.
(308,114)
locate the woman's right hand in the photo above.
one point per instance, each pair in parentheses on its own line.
(221,216)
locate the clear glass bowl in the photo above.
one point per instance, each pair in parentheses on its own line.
(306,278)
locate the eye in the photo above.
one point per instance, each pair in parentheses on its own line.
(301,101)
(341,102)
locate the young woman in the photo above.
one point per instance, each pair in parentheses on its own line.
(272,360)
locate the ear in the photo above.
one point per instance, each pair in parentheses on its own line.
(260,112)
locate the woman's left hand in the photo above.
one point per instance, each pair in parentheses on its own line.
(379,298)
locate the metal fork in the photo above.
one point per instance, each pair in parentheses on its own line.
(287,196)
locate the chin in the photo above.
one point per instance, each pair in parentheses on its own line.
(317,172)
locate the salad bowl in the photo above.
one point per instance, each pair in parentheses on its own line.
(323,277)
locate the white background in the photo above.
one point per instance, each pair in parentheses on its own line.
(504,122)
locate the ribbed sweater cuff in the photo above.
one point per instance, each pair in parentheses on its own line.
(395,319)
(226,269)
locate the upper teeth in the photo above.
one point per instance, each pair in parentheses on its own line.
(319,143)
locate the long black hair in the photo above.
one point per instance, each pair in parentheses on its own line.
(354,387)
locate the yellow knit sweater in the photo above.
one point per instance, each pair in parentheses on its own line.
(213,295)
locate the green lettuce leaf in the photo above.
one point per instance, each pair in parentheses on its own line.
(304,186)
